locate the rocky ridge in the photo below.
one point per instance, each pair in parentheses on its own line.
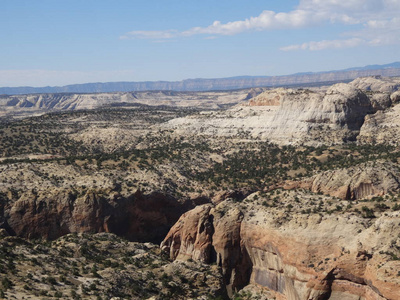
(15,105)
(201,84)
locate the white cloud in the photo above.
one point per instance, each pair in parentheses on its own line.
(340,6)
(381,32)
(326,44)
(392,24)
(267,20)
(354,11)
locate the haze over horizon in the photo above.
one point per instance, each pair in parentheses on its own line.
(47,43)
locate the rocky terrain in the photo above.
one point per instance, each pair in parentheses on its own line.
(291,194)
(100,266)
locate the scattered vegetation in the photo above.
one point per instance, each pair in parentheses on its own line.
(99,266)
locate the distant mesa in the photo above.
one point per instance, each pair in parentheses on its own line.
(239,82)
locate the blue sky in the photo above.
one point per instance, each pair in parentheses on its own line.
(59,42)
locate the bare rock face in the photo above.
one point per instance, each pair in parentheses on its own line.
(333,115)
(191,236)
(380,101)
(296,256)
(395,97)
(381,127)
(36,103)
(211,235)
(307,115)
(47,215)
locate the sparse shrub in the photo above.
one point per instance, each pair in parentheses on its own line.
(7,283)
(367,212)
(396,207)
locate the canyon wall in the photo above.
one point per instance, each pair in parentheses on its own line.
(51,214)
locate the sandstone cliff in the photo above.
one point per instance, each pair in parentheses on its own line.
(295,255)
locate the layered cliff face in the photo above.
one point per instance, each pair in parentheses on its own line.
(331,115)
(296,255)
(51,214)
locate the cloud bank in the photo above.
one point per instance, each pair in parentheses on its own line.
(379,19)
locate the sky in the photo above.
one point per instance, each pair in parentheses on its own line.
(60,42)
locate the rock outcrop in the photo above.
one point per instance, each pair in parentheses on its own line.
(297,256)
(377,84)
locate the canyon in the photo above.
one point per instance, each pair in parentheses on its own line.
(277,193)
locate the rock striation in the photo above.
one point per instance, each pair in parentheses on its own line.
(381,127)
(290,116)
